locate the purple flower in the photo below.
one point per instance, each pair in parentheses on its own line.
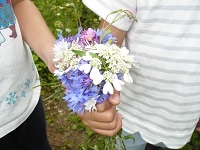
(80,89)
(109,37)
(78,35)
(88,34)
(68,39)
(60,37)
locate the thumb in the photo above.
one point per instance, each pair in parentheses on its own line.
(114,98)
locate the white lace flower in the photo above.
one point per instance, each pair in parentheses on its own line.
(124,51)
(73,64)
(104,51)
(66,59)
(129,59)
(95,62)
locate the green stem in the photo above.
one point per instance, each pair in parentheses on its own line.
(52,95)
(46,84)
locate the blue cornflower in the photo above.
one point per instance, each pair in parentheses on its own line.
(60,37)
(109,38)
(79,90)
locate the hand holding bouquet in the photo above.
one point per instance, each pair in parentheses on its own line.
(91,65)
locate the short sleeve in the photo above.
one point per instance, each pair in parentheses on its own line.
(104,8)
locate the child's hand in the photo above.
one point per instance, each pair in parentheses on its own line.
(106,120)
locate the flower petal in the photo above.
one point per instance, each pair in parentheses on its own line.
(90,105)
(94,72)
(58,72)
(85,67)
(124,51)
(108,88)
(97,79)
(128,78)
(117,84)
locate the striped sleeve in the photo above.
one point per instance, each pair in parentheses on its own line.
(104,8)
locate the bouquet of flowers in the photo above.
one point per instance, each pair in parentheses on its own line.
(90,65)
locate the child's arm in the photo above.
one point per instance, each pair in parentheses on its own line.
(34,30)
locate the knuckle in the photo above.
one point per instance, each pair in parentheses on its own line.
(110,117)
(85,122)
(112,126)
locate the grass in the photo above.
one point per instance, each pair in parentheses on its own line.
(65,129)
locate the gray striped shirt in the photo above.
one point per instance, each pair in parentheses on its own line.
(163,102)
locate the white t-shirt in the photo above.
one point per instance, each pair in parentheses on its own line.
(163,102)
(18,75)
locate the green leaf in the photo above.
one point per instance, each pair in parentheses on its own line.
(79,52)
(74,127)
(94,55)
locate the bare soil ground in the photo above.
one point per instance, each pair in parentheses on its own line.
(62,127)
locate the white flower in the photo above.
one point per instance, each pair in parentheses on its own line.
(104,51)
(90,105)
(108,77)
(117,83)
(73,64)
(124,51)
(93,67)
(111,81)
(128,78)
(58,72)
(96,76)
(85,67)
(59,48)
(108,88)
